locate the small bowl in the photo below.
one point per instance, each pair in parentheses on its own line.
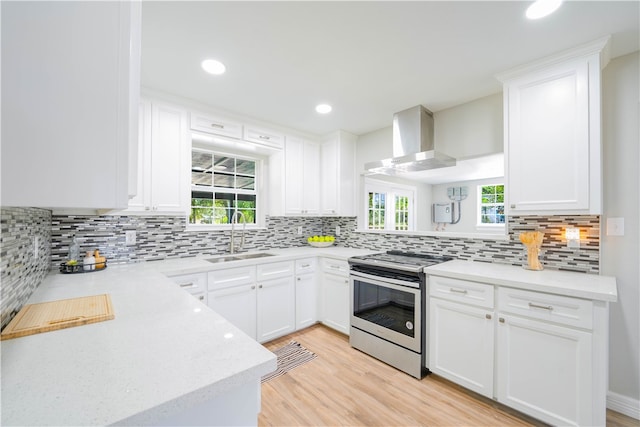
(321,244)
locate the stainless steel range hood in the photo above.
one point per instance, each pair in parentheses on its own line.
(413,145)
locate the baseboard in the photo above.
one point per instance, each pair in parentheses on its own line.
(623,404)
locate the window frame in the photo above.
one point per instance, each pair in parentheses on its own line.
(391,191)
(257,191)
(479,205)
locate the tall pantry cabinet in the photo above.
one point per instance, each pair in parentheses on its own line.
(70,89)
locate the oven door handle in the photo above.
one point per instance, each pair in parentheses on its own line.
(383,280)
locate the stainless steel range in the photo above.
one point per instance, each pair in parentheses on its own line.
(389,310)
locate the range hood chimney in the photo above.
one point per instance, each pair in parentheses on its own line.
(413,146)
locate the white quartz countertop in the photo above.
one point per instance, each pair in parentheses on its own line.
(176,267)
(588,286)
(163,353)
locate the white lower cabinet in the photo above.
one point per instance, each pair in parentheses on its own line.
(306,293)
(546,358)
(335,300)
(461,344)
(195,284)
(232,294)
(549,351)
(276,307)
(259,300)
(544,370)
(461,332)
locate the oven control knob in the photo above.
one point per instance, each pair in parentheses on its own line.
(409,325)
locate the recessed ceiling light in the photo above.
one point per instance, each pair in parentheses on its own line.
(323,108)
(542,8)
(213,66)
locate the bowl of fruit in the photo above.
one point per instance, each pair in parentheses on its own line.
(321,241)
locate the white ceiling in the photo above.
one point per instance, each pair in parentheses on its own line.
(367,59)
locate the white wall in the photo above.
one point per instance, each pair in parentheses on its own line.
(471,129)
(468,207)
(620,254)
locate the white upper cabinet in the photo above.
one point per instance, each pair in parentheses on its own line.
(338,174)
(163,160)
(301,177)
(553,133)
(263,136)
(70,88)
(216,125)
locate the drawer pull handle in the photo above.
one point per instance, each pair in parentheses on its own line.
(501,320)
(334,266)
(306,265)
(217,125)
(187,285)
(458,291)
(201,297)
(543,307)
(264,137)
(487,316)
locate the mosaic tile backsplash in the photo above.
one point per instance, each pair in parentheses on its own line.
(554,253)
(166,237)
(162,237)
(21,272)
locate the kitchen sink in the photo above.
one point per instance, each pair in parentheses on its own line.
(239,257)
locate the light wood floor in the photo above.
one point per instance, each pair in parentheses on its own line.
(344,386)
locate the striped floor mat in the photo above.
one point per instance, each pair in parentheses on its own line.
(290,356)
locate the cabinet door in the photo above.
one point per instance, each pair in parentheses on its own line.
(336,306)
(311,179)
(330,175)
(337,175)
(301,177)
(306,301)
(238,305)
(276,308)
(548,138)
(461,345)
(545,370)
(169,157)
(70,83)
(142,198)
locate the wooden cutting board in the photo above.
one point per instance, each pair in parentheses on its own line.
(54,315)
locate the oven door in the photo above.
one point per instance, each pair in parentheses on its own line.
(387,308)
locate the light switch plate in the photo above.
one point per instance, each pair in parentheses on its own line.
(615,226)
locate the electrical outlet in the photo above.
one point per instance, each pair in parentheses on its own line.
(615,226)
(130,237)
(300,229)
(337,230)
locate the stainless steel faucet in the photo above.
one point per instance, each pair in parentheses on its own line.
(234,220)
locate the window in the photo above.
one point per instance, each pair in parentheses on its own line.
(220,185)
(491,205)
(389,207)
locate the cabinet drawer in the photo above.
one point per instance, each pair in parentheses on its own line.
(305,265)
(192,283)
(335,266)
(480,294)
(263,136)
(216,125)
(221,279)
(275,270)
(553,308)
